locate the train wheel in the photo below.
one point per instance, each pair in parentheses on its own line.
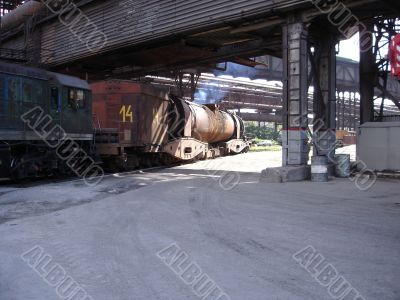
(146,161)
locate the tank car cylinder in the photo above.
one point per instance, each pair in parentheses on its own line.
(211,126)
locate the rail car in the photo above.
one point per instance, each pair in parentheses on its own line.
(55,124)
(59,99)
(138,124)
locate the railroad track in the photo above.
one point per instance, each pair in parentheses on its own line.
(37,181)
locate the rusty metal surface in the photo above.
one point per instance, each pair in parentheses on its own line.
(211,125)
(139,114)
(350,140)
(136,111)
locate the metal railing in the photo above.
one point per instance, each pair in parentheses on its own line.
(392,118)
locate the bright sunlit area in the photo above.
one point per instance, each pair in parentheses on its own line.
(350,48)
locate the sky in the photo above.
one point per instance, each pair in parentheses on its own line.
(350,49)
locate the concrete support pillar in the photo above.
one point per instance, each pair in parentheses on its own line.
(324,104)
(295,88)
(367,76)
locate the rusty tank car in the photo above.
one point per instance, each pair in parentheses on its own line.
(136,124)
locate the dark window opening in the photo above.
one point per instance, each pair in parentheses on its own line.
(188,150)
(54,98)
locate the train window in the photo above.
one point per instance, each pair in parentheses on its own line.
(80,98)
(76,98)
(54,98)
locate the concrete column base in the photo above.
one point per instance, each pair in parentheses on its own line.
(286,174)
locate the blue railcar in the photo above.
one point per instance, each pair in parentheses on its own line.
(33,104)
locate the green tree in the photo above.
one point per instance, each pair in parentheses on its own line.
(263,133)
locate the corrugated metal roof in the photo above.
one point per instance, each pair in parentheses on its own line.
(69,81)
(18,70)
(129,22)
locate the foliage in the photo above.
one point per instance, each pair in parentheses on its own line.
(261,133)
(274,148)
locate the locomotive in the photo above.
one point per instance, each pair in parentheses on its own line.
(63,100)
(119,124)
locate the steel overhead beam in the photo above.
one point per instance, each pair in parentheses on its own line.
(261,117)
(252,48)
(394,5)
(257,26)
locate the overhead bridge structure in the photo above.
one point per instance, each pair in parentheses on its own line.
(125,36)
(261,101)
(109,38)
(128,38)
(347,91)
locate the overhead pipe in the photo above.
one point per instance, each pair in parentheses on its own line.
(19,15)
